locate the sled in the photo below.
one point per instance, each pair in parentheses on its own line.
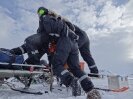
(28,77)
(76,88)
(24,76)
(13,73)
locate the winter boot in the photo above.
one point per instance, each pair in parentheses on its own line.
(93,94)
(76,88)
(1,81)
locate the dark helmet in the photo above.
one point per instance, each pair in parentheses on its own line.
(42,11)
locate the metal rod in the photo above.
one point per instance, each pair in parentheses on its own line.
(26,65)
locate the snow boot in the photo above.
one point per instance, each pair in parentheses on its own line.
(93,94)
(1,81)
(76,88)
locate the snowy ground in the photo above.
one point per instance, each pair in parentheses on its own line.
(6,93)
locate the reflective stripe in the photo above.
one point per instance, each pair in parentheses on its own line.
(77,37)
(22,50)
(82,78)
(93,66)
(57,35)
(67,31)
(72,31)
(64,71)
(51,34)
(44,16)
(73,28)
(34,52)
(54,34)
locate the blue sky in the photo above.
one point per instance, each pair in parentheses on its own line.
(108,24)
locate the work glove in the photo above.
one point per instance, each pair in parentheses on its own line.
(67,79)
(94,72)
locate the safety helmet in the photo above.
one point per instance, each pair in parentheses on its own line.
(42,11)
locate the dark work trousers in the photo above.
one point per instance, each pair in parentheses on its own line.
(67,52)
(86,54)
(34,49)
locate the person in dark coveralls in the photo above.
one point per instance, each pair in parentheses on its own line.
(66,52)
(34,46)
(83,41)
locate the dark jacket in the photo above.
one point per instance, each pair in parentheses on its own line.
(35,46)
(55,26)
(83,38)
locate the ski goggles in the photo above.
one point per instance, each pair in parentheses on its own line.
(41,12)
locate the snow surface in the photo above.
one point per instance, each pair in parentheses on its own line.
(7,93)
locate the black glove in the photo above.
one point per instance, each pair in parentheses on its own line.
(12,51)
(94,72)
(67,80)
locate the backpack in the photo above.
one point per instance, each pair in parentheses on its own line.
(7,57)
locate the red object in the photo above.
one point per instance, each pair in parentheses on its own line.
(121,89)
(52,47)
(31,69)
(81,64)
